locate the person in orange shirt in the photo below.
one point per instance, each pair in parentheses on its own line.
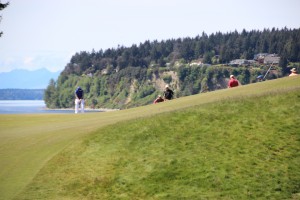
(293,72)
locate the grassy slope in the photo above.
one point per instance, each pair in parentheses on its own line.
(27,142)
(214,151)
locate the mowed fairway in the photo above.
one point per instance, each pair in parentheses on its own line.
(27,142)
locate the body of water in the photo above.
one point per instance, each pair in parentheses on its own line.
(28,107)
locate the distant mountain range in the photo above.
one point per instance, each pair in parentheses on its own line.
(25,79)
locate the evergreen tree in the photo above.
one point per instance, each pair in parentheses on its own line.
(50,95)
(283,65)
(2,6)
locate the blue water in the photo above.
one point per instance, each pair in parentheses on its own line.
(27,107)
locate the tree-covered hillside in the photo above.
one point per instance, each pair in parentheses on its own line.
(132,76)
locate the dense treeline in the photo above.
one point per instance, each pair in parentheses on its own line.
(21,94)
(229,46)
(129,76)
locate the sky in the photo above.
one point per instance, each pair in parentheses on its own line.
(46,33)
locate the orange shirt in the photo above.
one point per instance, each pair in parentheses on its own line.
(293,74)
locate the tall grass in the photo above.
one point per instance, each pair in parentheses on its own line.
(244,148)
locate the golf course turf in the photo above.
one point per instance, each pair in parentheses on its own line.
(31,144)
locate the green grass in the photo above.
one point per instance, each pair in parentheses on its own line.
(233,149)
(197,147)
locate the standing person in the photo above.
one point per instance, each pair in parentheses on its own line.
(79,100)
(168,93)
(158,99)
(232,82)
(293,72)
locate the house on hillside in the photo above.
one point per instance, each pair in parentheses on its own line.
(272,59)
(251,62)
(266,58)
(260,57)
(238,62)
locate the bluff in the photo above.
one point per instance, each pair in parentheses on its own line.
(133,76)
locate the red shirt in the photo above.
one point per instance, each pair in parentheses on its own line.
(233,83)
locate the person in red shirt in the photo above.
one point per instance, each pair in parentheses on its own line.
(232,82)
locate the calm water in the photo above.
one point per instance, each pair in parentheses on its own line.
(26,107)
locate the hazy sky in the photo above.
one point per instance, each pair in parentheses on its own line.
(46,33)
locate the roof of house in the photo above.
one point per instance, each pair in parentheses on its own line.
(271,59)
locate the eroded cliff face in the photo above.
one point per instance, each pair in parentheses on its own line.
(157,82)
